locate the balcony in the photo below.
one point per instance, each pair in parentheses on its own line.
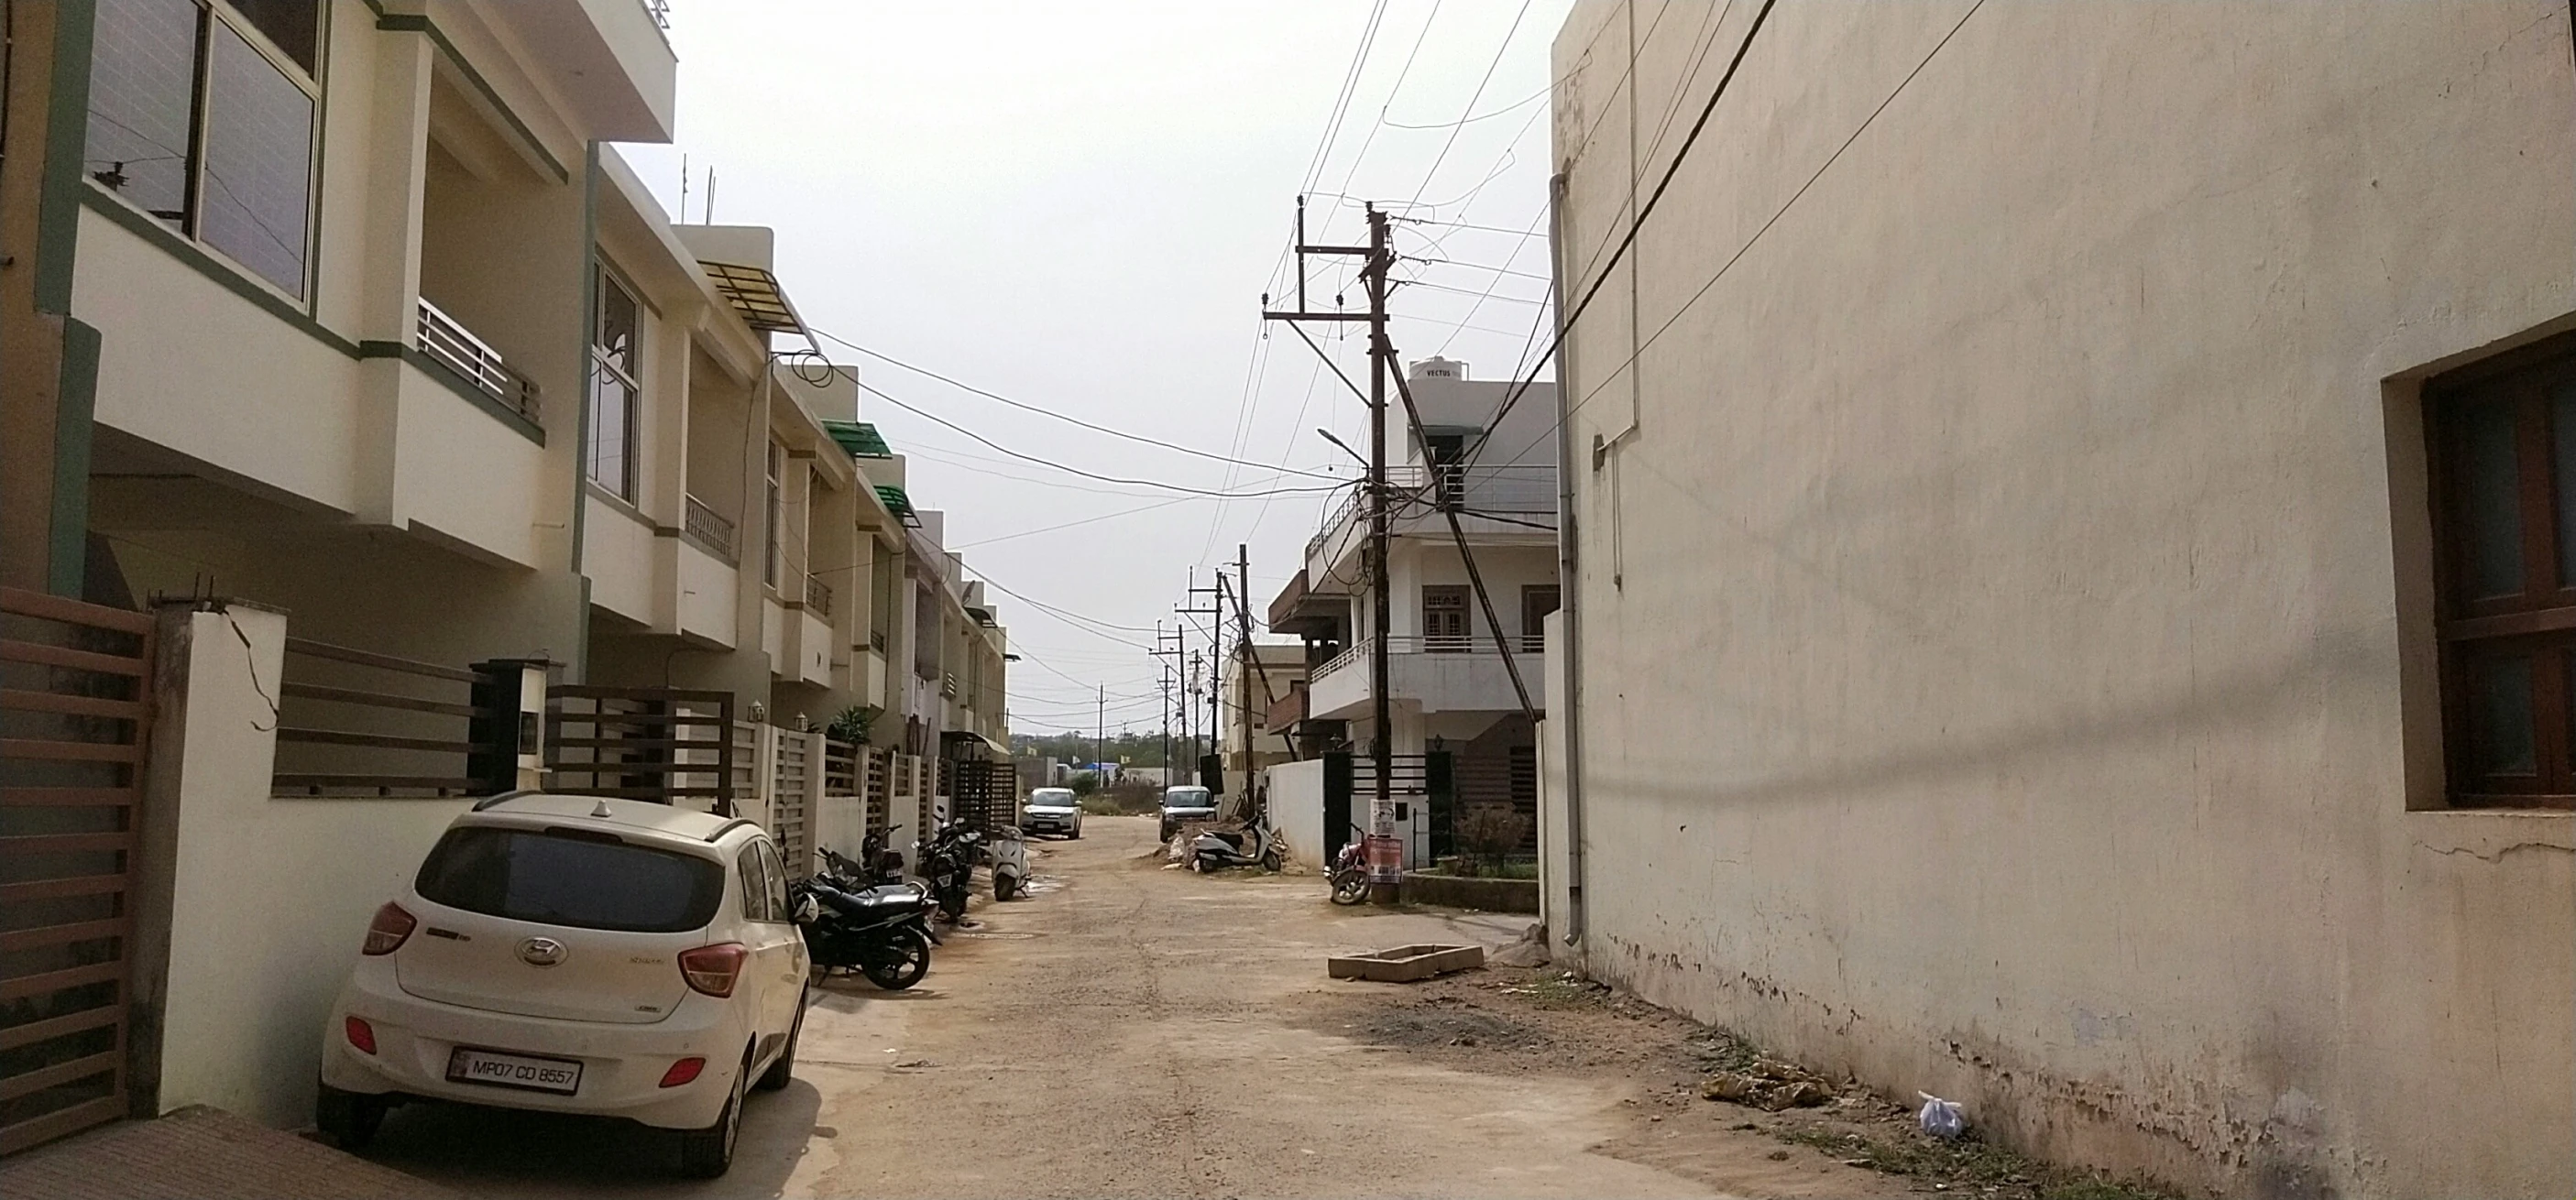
(1286,711)
(818,597)
(709,530)
(1431,674)
(453,346)
(1510,500)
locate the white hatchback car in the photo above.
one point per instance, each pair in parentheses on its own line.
(581,955)
(1052,810)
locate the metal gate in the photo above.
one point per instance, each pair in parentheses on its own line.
(985,794)
(791,782)
(1415,781)
(75,717)
(658,744)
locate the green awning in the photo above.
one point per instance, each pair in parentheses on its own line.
(898,504)
(859,438)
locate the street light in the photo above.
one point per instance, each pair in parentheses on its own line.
(1356,456)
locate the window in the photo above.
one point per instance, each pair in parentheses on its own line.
(1538,601)
(572,878)
(774,873)
(2503,440)
(755,884)
(615,361)
(201,114)
(1444,619)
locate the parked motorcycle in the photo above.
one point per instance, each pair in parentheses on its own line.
(1350,877)
(882,933)
(1216,849)
(948,862)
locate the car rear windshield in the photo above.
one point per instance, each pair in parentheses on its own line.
(571,877)
(1051,798)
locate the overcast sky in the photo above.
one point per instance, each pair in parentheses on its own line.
(1078,206)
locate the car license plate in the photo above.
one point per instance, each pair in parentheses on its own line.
(513,1070)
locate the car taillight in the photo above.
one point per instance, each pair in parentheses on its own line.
(389,930)
(683,1071)
(361,1035)
(713,969)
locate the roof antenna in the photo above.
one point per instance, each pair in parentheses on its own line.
(601,809)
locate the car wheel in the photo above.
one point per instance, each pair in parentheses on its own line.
(783,1071)
(707,1153)
(349,1119)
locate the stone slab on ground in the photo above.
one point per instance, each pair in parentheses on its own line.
(202,1154)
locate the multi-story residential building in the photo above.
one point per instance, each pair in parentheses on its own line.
(2070,603)
(362,337)
(1492,468)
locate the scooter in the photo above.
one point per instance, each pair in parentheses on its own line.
(1008,852)
(1216,849)
(882,933)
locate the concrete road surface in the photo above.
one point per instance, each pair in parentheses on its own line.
(1130,1030)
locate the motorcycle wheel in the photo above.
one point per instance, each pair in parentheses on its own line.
(1350,886)
(1272,860)
(1005,887)
(905,960)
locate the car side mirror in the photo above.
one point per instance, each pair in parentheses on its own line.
(807,912)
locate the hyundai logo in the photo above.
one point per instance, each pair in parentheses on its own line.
(541,952)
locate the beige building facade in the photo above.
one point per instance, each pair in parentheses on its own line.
(2034,486)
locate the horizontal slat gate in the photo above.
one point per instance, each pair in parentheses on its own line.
(658,744)
(75,720)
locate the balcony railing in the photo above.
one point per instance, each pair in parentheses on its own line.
(818,597)
(1522,495)
(709,529)
(457,349)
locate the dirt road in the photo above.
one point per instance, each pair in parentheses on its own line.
(1131,1030)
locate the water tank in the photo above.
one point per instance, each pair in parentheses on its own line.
(1439,368)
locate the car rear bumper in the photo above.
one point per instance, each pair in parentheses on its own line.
(1049,824)
(622,1065)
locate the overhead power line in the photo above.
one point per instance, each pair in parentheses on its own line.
(1635,224)
(1071,470)
(1025,406)
(1749,243)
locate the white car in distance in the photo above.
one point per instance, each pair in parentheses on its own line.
(1052,810)
(581,955)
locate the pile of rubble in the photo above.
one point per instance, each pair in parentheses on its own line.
(1769,1085)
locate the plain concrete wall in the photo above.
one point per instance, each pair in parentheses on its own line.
(1993,653)
(1297,811)
(266,900)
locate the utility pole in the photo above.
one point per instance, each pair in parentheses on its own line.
(1171,656)
(1385,855)
(1100,736)
(1243,667)
(1215,613)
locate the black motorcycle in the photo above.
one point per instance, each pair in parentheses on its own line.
(948,861)
(880,932)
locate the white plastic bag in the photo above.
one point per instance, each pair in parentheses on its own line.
(1942,1118)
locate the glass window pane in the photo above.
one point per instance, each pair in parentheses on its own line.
(2501,740)
(142,96)
(259,161)
(294,25)
(611,422)
(2562,427)
(617,325)
(2491,492)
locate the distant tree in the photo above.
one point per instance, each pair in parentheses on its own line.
(1086,782)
